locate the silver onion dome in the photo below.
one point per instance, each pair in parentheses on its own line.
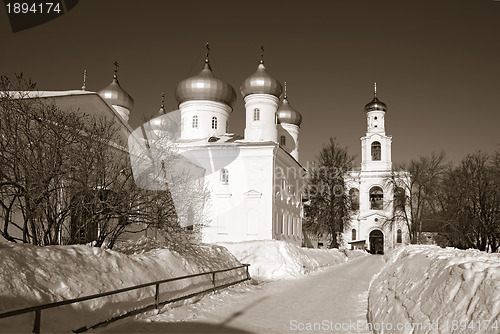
(114,94)
(261,82)
(286,114)
(375,104)
(204,86)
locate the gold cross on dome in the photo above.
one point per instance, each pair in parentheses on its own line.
(208,50)
(116,67)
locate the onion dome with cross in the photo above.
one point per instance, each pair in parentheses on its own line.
(261,82)
(287,114)
(375,104)
(115,95)
(205,86)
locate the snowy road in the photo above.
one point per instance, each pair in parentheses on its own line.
(331,301)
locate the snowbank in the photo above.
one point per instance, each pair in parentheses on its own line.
(31,275)
(275,259)
(427,289)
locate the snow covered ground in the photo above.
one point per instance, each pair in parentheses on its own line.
(333,300)
(427,289)
(31,275)
(274,259)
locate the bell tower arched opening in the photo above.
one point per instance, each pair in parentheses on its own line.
(376,151)
(376,198)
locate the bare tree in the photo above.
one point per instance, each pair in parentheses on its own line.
(470,201)
(416,193)
(328,200)
(36,137)
(170,175)
(70,177)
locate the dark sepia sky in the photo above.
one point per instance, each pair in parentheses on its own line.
(436,62)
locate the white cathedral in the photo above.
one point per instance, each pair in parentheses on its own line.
(254,181)
(256,192)
(374,223)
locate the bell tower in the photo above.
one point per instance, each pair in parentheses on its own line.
(376,145)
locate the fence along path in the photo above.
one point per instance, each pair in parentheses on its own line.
(38,309)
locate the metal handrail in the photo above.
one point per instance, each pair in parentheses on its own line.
(38,309)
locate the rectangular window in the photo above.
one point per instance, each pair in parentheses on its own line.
(256,114)
(277,223)
(283,224)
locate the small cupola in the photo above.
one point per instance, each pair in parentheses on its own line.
(116,96)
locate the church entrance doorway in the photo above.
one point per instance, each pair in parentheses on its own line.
(376,242)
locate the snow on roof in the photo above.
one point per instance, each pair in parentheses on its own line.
(225,139)
(43,94)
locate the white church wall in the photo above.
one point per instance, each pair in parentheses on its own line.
(367,219)
(288,186)
(204,111)
(290,132)
(385,159)
(242,209)
(263,128)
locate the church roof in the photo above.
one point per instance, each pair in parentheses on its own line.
(287,114)
(87,102)
(261,82)
(114,94)
(205,86)
(375,104)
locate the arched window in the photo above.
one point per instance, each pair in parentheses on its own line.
(256,114)
(224,176)
(283,140)
(353,236)
(354,198)
(376,151)
(399,237)
(376,198)
(195,121)
(214,122)
(399,198)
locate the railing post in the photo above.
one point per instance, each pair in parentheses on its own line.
(213,280)
(157,295)
(38,316)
